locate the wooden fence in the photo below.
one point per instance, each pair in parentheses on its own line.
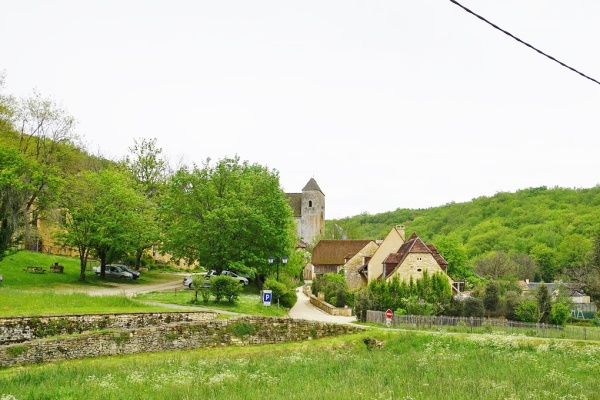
(473,324)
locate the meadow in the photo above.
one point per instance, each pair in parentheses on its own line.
(24,293)
(411,365)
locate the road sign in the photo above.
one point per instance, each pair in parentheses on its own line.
(389,314)
(267,296)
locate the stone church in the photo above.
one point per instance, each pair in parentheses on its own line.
(309,211)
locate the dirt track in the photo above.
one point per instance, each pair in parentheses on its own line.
(129,290)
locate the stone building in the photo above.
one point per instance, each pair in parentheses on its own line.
(309,211)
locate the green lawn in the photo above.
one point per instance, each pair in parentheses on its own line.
(25,293)
(411,365)
(249,302)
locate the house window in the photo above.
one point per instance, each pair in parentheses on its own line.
(310,203)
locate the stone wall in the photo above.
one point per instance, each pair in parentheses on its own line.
(328,308)
(241,331)
(22,329)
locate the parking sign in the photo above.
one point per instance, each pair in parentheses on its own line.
(267,295)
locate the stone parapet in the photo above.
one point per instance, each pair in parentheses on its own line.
(330,309)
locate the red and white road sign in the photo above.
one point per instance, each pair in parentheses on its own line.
(389,314)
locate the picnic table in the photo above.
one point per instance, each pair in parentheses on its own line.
(35,270)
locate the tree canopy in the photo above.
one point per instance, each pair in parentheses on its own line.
(230,214)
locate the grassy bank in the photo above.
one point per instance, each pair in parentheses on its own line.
(248,302)
(411,365)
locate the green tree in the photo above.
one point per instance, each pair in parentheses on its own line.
(544,303)
(99,209)
(491,297)
(546,258)
(17,182)
(455,253)
(230,212)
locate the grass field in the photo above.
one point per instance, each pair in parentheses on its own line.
(25,293)
(411,365)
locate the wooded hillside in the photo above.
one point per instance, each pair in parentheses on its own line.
(556,227)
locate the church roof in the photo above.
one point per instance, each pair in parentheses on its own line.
(312,186)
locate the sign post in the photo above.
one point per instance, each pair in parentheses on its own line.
(388,317)
(267,296)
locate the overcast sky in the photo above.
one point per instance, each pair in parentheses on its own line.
(387,104)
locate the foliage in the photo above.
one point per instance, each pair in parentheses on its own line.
(544,302)
(282,294)
(16,185)
(430,294)
(473,307)
(564,220)
(364,300)
(101,209)
(559,314)
(334,287)
(225,287)
(527,311)
(491,297)
(241,329)
(230,212)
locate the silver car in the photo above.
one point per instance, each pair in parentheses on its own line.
(114,271)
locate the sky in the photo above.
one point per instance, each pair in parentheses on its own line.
(386,104)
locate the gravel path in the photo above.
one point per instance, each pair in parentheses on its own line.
(130,290)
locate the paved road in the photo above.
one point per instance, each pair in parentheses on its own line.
(304,310)
(301,310)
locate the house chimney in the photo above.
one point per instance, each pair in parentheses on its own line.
(400,229)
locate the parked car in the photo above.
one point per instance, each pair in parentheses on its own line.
(114,271)
(188,280)
(241,279)
(133,272)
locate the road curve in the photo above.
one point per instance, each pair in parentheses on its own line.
(304,310)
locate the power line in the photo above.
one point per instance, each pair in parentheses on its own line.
(521,41)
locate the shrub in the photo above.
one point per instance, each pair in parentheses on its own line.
(225,287)
(473,307)
(527,311)
(285,296)
(363,301)
(241,329)
(559,314)
(511,302)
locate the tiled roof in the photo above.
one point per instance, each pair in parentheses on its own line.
(312,185)
(334,252)
(413,245)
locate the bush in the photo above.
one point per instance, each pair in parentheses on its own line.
(473,307)
(225,287)
(286,297)
(559,314)
(334,287)
(527,311)
(363,301)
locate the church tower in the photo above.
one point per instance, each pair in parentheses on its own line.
(309,211)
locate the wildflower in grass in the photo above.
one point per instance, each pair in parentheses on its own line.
(135,377)
(221,378)
(8,397)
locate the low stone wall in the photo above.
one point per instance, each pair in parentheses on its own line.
(22,329)
(328,308)
(175,336)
